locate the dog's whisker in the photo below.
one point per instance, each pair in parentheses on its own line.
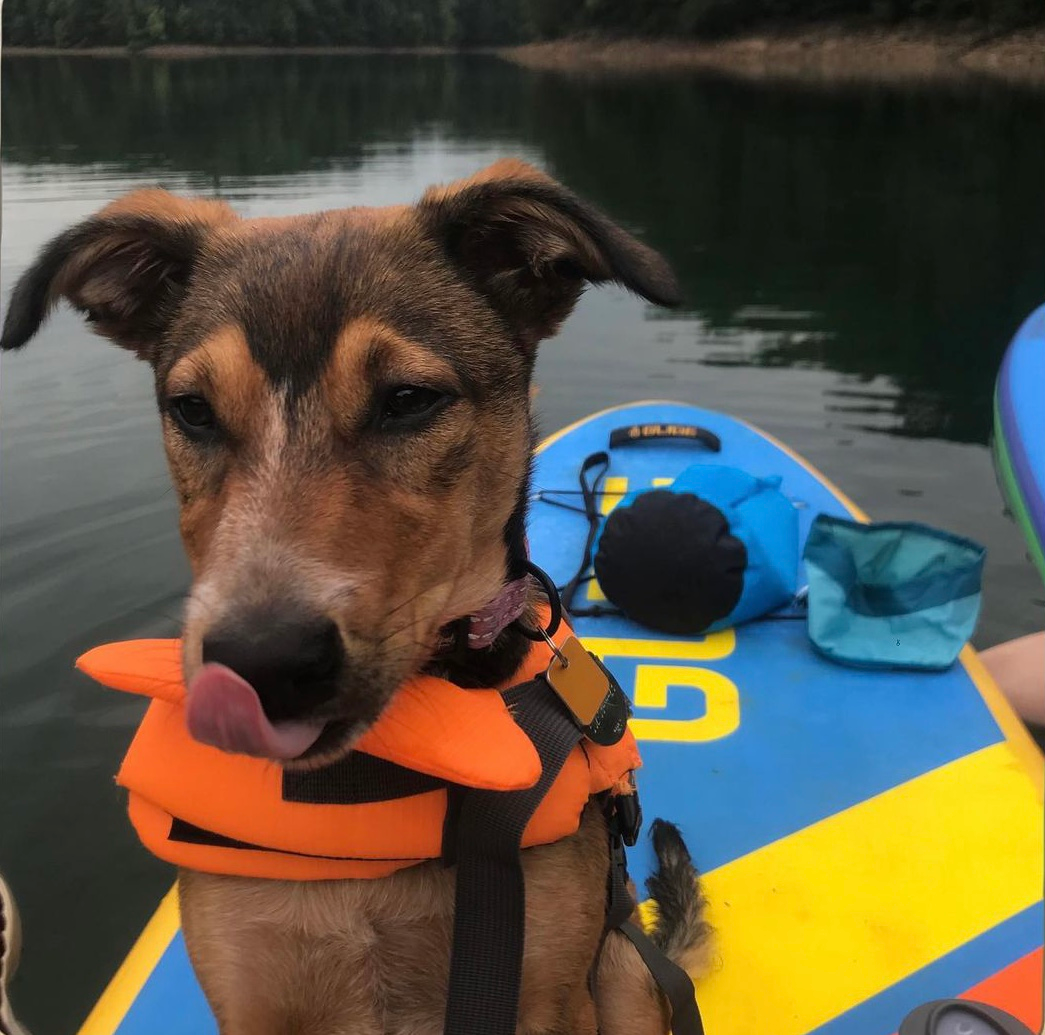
(402,629)
(409,600)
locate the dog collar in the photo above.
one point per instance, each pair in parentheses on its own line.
(490,621)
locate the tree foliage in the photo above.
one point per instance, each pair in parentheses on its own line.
(288,23)
(278,23)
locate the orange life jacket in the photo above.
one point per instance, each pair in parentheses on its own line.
(201,808)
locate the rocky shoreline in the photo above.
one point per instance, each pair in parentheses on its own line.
(826,54)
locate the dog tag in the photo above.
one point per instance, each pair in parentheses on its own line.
(598,705)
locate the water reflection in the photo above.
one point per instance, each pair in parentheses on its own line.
(875,233)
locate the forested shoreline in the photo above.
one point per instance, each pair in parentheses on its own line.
(139,24)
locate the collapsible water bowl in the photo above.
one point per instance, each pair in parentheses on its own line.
(892,594)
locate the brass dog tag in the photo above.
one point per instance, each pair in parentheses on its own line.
(598,705)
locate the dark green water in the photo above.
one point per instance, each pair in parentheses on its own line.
(853,261)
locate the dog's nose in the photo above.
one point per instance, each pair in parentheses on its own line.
(293,663)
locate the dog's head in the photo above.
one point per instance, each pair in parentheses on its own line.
(345,408)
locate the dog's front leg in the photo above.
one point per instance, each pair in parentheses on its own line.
(278,958)
(582,1020)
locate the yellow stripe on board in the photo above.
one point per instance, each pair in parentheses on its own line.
(614,489)
(135,970)
(703,647)
(817,922)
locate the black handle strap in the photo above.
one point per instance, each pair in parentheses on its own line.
(634,433)
(600,463)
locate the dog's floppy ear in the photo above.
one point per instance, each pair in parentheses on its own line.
(125,269)
(529,245)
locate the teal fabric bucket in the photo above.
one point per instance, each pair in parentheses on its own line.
(891,594)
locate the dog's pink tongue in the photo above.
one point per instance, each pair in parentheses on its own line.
(223,710)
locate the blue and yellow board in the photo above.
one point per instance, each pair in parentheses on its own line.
(869,841)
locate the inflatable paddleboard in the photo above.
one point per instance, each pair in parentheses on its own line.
(1019,432)
(869,841)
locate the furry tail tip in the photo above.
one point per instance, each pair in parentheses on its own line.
(681,932)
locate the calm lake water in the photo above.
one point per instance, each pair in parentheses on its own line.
(853,261)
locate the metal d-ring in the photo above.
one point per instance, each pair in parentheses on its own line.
(554,622)
(562,659)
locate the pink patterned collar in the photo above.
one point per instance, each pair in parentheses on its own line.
(490,621)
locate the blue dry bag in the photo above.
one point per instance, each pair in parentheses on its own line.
(716,548)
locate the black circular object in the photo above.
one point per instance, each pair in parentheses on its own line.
(669,561)
(961,1017)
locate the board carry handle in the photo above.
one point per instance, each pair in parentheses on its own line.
(635,433)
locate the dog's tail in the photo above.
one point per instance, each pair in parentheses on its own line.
(681,931)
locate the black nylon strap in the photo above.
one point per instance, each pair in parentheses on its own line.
(619,902)
(356,779)
(187,833)
(600,462)
(674,982)
(490,909)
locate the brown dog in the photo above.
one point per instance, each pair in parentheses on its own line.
(345,405)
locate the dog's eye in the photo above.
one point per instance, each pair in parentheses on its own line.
(193,414)
(410,404)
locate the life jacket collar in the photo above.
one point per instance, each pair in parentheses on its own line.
(432,726)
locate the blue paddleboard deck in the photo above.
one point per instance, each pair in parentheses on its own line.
(868,841)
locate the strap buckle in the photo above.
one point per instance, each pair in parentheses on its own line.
(626,816)
(629,818)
